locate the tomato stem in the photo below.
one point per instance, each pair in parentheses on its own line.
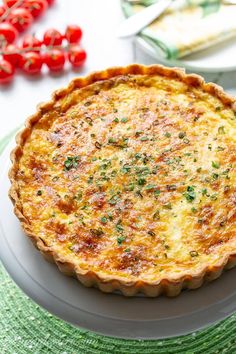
(33,49)
(9,9)
(4,69)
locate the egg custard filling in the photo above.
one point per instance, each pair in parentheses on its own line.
(128,181)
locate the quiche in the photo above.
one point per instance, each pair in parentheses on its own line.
(126,180)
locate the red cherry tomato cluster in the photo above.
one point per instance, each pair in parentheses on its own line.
(17,15)
(53,51)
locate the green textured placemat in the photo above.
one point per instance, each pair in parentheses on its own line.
(25,328)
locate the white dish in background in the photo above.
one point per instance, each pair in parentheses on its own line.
(108,314)
(221,57)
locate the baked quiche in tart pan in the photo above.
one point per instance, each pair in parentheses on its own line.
(126,180)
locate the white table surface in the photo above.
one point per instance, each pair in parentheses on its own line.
(99,20)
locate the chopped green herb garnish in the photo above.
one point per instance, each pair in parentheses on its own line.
(139,194)
(138,156)
(119,227)
(204,191)
(124,120)
(110,215)
(90,180)
(154,171)
(221,130)
(104,220)
(113,173)
(142,171)
(105,165)
(138,132)
(194,210)
(120,239)
(190,194)
(182,135)
(215,164)
(113,200)
(79,195)
(167,134)
(186,140)
(150,187)
(144,138)
(214,196)
(125,169)
(71,162)
(116,120)
(131,187)
(141,181)
(220,148)
(156,215)
(215,176)
(157,192)
(167,206)
(111,141)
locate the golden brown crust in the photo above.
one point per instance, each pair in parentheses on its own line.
(106,283)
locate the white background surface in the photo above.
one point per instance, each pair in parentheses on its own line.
(99,20)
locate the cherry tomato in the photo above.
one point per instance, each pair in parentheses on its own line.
(55,59)
(50,2)
(20,18)
(32,43)
(8,33)
(73,33)
(52,37)
(31,63)
(6,72)
(10,3)
(77,56)
(12,54)
(35,7)
(2,11)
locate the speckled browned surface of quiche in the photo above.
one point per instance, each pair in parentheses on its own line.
(126,179)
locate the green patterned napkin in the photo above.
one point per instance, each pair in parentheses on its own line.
(187,25)
(25,328)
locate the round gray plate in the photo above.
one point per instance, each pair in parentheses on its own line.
(109,314)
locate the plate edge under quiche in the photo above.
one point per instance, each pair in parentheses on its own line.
(89,278)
